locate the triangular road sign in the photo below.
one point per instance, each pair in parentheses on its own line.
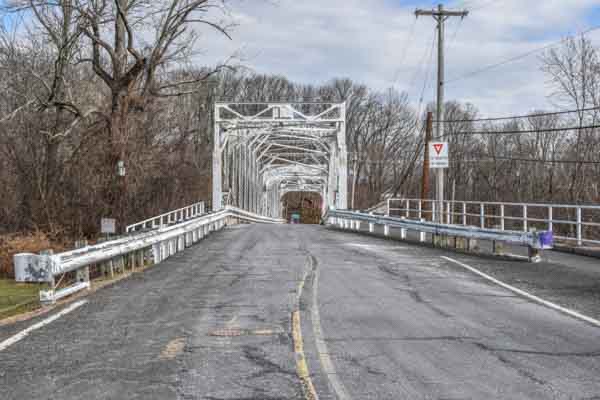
(438,155)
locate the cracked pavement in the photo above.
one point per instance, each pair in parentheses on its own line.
(213,322)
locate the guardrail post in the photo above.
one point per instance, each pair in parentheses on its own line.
(579,227)
(371,226)
(550,219)
(403,232)
(482,215)
(138,260)
(422,235)
(502,223)
(525,224)
(386,230)
(156,253)
(464,213)
(357,225)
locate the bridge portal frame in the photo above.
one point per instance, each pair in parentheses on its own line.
(263,150)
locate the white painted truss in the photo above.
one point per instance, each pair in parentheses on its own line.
(264,150)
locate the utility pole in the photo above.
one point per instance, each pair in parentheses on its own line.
(425,178)
(440,15)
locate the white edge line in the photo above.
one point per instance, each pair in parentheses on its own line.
(24,333)
(326,362)
(527,295)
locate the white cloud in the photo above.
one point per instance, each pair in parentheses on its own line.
(312,41)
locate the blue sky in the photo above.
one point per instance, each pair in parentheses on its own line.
(370,41)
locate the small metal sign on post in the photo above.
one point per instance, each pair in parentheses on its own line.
(438,155)
(108,226)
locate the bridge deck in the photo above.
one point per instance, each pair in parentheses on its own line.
(388,320)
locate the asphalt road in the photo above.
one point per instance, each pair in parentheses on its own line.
(379,320)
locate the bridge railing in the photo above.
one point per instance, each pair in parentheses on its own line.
(579,224)
(175,216)
(352,220)
(131,252)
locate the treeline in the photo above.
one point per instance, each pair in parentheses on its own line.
(84,94)
(90,86)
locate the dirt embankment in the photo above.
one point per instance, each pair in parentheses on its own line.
(12,244)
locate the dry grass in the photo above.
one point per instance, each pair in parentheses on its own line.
(32,242)
(17,298)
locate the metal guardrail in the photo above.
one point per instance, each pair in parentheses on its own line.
(352,220)
(175,216)
(580,221)
(155,245)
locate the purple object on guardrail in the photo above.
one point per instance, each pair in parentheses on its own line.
(545,239)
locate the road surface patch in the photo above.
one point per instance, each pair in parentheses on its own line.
(527,295)
(173,349)
(234,332)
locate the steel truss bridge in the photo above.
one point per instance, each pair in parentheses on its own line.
(264,150)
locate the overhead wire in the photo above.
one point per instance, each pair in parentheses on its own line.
(417,72)
(407,45)
(517,132)
(427,74)
(535,160)
(518,57)
(535,115)
(453,37)
(483,5)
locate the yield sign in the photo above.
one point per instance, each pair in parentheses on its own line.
(438,155)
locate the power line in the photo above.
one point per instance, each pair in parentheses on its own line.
(484,4)
(453,37)
(407,45)
(428,77)
(535,160)
(422,63)
(518,57)
(548,114)
(549,130)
